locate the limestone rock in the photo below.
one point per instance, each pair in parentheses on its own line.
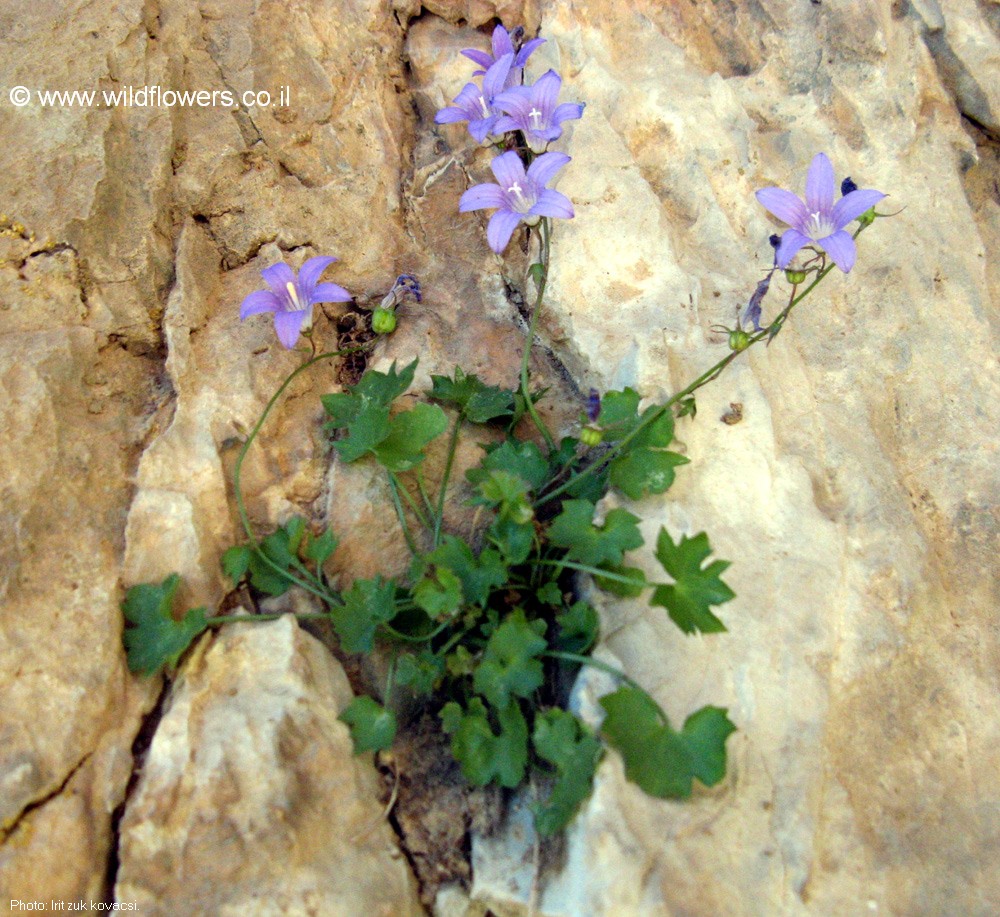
(250,799)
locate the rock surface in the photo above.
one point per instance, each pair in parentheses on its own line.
(857,497)
(251,772)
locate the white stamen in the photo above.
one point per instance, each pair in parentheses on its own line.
(819,225)
(485,107)
(294,296)
(534,114)
(516,190)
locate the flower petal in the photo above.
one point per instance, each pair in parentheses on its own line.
(545,92)
(508,168)
(329,292)
(789,246)
(481,197)
(310,271)
(450,115)
(501,42)
(260,301)
(568,111)
(784,205)
(544,169)
(840,246)
(478,57)
(481,128)
(288,326)
(496,76)
(277,277)
(852,205)
(500,228)
(526,50)
(820,184)
(504,125)
(553,204)
(515,102)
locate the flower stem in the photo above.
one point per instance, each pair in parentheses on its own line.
(452,446)
(301,615)
(403,524)
(544,256)
(709,375)
(596,571)
(319,591)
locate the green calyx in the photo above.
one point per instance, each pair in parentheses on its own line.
(795,277)
(383,321)
(591,436)
(739,340)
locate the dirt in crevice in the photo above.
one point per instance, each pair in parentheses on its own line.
(436,809)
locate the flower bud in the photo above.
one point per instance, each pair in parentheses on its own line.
(739,340)
(795,277)
(383,321)
(591,436)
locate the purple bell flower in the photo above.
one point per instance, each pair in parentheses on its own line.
(501,46)
(519,197)
(819,219)
(475,105)
(533,111)
(291,298)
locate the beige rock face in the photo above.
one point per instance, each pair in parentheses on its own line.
(857,497)
(251,772)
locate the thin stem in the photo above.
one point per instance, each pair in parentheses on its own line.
(611,670)
(544,254)
(301,615)
(410,502)
(424,495)
(596,571)
(322,593)
(452,445)
(403,524)
(703,379)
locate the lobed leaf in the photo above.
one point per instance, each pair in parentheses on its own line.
(153,638)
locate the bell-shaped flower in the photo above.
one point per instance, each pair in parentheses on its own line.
(291,298)
(519,197)
(475,105)
(533,111)
(819,219)
(502,45)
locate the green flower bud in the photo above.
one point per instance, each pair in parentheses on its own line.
(868,217)
(795,276)
(591,436)
(383,321)
(739,340)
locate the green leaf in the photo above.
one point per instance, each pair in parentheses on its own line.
(236,561)
(372,726)
(578,628)
(477,401)
(419,672)
(478,575)
(483,755)
(156,639)
(367,604)
(661,761)
(624,581)
(586,543)
(509,667)
(562,740)
(364,410)
(641,466)
(280,548)
(550,594)
(688,406)
(640,471)
(522,459)
(321,549)
(439,593)
(513,539)
(409,433)
(695,588)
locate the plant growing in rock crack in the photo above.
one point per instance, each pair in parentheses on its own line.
(487,628)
